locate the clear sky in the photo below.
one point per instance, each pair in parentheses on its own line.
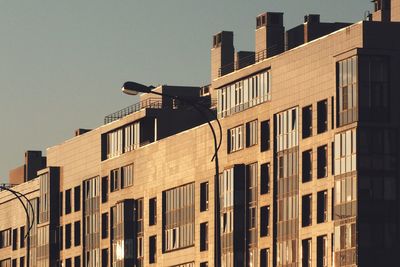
(62,62)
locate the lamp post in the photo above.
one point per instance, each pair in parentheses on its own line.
(19,196)
(133,88)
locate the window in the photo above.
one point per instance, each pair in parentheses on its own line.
(14,239)
(265,178)
(77,198)
(114,143)
(132,136)
(14,263)
(77,261)
(68,262)
(264,221)
(264,257)
(115,179)
(286,129)
(251,133)
(204,264)
(322,116)
(374,75)
(347,87)
(204,236)
(104,225)
(22,237)
(345,152)
(153,249)
(307,210)
(322,206)
(322,161)
(235,139)
(77,233)
(178,210)
(5,263)
(104,189)
(68,236)
(5,238)
(104,257)
(61,201)
(322,251)
(60,237)
(22,262)
(204,196)
(68,201)
(265,136)
(153,211)
(307,121)
(127,176)
(244,94)
(306,259)
(307,166)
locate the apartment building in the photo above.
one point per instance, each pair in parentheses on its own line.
(308,163)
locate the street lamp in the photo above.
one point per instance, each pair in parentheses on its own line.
(30,222)
(133,88)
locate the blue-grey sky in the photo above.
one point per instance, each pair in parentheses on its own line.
(62,62)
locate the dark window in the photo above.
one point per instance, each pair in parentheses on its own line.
(22,262)
(77,261)
(306,259)
(68,262)
(307,166)
(265,135)
(322,206)
(307,121)
(104,189)
(251,133)
(265,179)
(264,221)
(204,264)
(153,211)
(14,263)
(68,201)
(322,116)
(60,237)
(22,237)
(153,249)
(306,210)
(115,180)
(264,257)
(104,225)
(203,236)
(322,161)
(15,239)
(322,255)
(68,236)
(77,233)
(204,196)
(77,198)
(61,200)
(104,257)
(332,112)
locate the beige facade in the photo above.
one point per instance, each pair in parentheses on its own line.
(308,164)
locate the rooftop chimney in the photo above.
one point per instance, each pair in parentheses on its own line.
(382,10)
(222,54)
(311,29)
(270,35)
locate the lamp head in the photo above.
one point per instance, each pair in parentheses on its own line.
(133,88)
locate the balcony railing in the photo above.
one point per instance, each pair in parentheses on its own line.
(249,60)
(148,103)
